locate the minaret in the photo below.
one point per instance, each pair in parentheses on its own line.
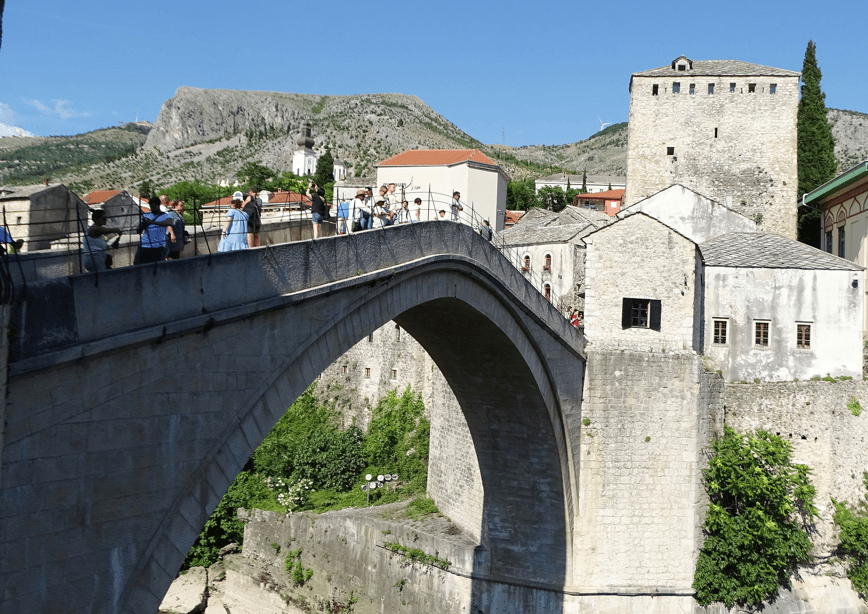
(304,158)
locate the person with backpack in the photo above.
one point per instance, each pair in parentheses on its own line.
(154,227)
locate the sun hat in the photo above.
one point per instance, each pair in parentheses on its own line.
(238,195)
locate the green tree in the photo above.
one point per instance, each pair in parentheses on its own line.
(816,145)
(853,539)
(146,190)
(325,169)
(584,182)
(552,197)
(761,505)
(521,195)
(256,175)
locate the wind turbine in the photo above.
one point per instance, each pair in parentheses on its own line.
(602,125)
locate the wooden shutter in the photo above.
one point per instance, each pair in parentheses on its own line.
(654,316)
(626,312)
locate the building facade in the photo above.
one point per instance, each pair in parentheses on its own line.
(724,128)
(593,183)
(304,158)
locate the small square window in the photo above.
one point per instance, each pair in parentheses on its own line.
(640,313)
(751,88)
(344,369)
(773,88)
(761,334)
(829,241)
(715,133)
(367,373)
(711,88)
(655,89)
(682,67)
(394,374)
(803,336)
(676,87)
(670,151)
(692,88)
(732,88)
(720,331)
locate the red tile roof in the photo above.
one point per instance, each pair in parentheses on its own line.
(437,157)
(607,195)
(512,217)
(276,198)
(99,196)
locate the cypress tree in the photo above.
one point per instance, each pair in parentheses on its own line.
(325,169)
(585,181)
(816,145)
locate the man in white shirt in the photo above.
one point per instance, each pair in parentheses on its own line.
(379,214)
(417,208)
(403,214)
(356,209)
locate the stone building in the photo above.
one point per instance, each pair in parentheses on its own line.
(593,183)
(43,213)
(123,209)
(698,280)
(724,128)
(550,247)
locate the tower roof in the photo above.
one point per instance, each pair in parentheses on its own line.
(717,68)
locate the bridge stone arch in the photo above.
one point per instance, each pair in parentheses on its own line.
(515,372)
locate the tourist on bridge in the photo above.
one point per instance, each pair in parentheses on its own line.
(235,232)
(317,209)
(343,214)
(456,205)
(404,216)
(176,212)
(379,215)
(485,230)
(6,239)
(154,227)
(417,208)
(252,206)
(93,244)
(361,213)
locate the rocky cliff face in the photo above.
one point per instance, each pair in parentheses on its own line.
(850,130)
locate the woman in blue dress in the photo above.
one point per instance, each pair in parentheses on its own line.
(235,232)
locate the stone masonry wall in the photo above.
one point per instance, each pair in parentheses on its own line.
(825,435)
(647,418)
(749,165)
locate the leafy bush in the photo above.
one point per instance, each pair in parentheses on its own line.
(417,555)
(853,545)
(761,504)
(420,506)
(854,406)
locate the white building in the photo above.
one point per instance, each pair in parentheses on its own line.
(594,183)
(681,273)
(304,158)
(434,174)
(340,170)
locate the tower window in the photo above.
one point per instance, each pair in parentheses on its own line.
(761,334)
(371,338)
(720,332)
(692,88)
(711,88)
(803,336)
(394,374)
(682,67)
(367,373)
(670,151)
(732,88)
(640,313)
(655,89)
(676,87)
(751,88)
(773,88)
(344,368)
(715,133)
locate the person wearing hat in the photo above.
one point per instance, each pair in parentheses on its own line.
(358,211)
(379,214)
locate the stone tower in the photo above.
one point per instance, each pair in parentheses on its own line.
(724,128)
(304,158)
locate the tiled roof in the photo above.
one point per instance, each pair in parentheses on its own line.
(540,226)
(99,196)
(607,195)
(719,68)
(282,198)
(437,157)
(512,217)
(769,251)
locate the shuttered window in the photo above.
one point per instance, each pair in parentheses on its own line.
(640,313)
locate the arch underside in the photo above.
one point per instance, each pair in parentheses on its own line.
(486,347)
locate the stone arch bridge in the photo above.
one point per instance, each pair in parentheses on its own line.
(134,399)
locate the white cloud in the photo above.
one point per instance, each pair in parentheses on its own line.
(57,108)
(6,114)
(13,131)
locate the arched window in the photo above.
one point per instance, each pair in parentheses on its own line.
(548,262)
(526,265)
(547,290)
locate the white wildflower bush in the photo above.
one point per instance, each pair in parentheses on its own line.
(290,495)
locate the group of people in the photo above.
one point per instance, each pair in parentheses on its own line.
(243,222)
(577,318)
(368,212)
(161,228)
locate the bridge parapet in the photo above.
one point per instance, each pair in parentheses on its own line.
(62,319)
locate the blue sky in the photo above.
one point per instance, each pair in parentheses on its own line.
(540,71)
